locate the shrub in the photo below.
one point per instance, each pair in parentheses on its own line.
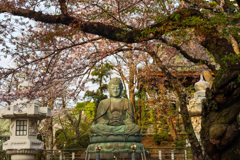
(161,136)
(180,143)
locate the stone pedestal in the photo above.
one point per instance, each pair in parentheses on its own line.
(118,145)
(24,115)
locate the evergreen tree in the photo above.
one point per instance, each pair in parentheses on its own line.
(100,75)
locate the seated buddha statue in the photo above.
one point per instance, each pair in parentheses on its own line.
(115,115)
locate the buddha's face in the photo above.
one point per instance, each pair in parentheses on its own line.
(115,90)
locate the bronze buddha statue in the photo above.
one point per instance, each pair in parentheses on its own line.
(115,114)
(114,128)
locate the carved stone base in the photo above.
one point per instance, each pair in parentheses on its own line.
(23,154)
(22,151)
(23,144)
(116,137)
(22,157)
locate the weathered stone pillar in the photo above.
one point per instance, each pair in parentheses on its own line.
(24,115)
(195,105)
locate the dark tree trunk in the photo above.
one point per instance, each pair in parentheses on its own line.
(195,145)
(132,99)
(131,88)
(220,127)
(220,120)
(49,132)
(172,128)
(49,138)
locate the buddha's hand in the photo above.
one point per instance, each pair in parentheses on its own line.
(115,123)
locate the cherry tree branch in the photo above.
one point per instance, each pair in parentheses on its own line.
(187,56)
(54,53)
(119,70)
(109,31)
(63,129)
(183,18)
(131,5)
(63,7)
(111,15)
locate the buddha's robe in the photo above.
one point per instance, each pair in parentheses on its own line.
(115,117)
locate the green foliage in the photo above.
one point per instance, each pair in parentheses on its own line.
(66,138)
(180,143)
(87,107)
(161,136)
(3,155)
(212,4)
(100,75)
(83,142)
(231,59)
(145,33)
(59,139)
(239,118)
(227,23)
(40,155)
(142,95)
(176,16)
(195,21)
(146,116)
(96,96)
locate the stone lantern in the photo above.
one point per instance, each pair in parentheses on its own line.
(195,105)
(24,115)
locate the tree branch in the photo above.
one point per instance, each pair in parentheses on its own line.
(111,15)
(70,118)
(184,18)
(63,7)
(187,56)
(109,31)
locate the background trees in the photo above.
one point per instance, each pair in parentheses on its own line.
(70,37)
(74,126)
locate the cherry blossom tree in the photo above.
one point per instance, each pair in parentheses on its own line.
(127,64)
(66,38)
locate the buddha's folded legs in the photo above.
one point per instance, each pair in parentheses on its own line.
(104,128)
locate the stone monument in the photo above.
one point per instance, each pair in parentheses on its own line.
(24,115)
(114,129)
(195,105)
